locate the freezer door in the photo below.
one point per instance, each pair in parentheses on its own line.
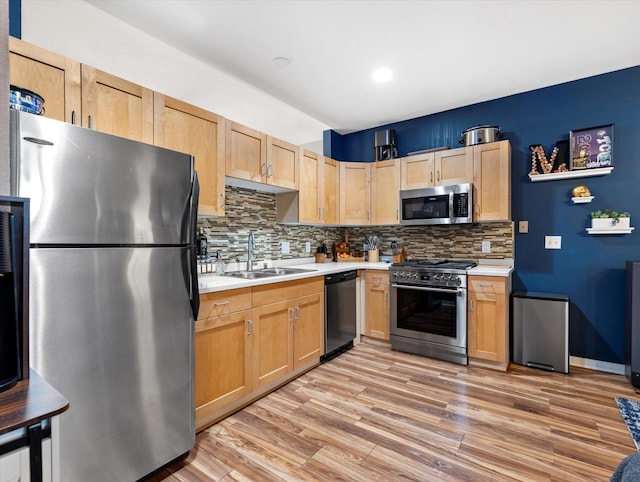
(112,329)
(87,187)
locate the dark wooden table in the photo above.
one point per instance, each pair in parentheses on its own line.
(26,406)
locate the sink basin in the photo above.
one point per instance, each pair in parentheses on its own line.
(282,271)
(249,274)
(265,273)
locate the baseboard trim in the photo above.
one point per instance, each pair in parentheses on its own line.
(599,365)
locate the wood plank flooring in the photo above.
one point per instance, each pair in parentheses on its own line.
(375,414)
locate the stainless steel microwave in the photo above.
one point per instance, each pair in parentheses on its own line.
(437,205)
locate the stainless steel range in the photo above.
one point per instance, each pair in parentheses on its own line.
(429,308)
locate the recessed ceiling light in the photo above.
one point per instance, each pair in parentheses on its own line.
(382,75)
(281,62)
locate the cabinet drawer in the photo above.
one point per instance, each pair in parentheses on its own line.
(487,284)
(377,277)
(286,290)
(222,302)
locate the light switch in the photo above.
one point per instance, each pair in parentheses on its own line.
(486,246)
(307,246)
(553,242)
(285,247)
(523,226)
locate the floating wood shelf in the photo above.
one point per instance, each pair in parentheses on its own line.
(556,176)
(609,230)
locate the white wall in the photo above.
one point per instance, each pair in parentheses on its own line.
(82,32)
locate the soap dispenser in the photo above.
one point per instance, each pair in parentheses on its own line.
(219,264)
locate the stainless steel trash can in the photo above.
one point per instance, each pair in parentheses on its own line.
(540,330)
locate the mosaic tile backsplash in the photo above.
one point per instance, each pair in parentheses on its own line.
(249,210)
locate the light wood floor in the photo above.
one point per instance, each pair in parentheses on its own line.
(376,414)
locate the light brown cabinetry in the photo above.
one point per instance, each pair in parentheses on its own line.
(248,341)
(417,172)
(116,106)
(488,324)
(355,180)
(253,156)
(52,76)
(492,181)
(377,304)
(328,190)
(453,166)
(185,128)
(385,187)
(440,168)
(223,349)
(316,201)
(246,152)
(282,164)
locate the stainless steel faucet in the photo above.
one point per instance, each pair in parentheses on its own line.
(251,244)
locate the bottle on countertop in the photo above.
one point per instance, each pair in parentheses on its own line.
(219,264)
(201,244)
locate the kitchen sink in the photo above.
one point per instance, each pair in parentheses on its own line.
(265,273)
(283,271)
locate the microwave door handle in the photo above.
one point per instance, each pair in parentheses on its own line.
(451,213)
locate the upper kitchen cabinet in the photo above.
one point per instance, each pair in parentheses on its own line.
(54,77)
(385,200)
(453,166)
(116,106)
(492,181)
(282,164)
(185,128)
(417,171)
(355,179)
(329,178)
(316,201)
(246,152)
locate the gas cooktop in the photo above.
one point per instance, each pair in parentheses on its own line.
(437,263)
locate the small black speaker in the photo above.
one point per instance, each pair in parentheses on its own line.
(9,320)
(632,361)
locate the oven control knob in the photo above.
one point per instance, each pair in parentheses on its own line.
(457,281)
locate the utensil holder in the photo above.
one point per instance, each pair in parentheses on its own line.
(374,255)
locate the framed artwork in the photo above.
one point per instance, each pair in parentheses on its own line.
(592,147)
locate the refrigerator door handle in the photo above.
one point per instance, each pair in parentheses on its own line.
(192,282)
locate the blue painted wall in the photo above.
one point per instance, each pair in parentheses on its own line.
(15,18)
(590,269)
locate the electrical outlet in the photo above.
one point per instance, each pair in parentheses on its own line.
(553,242)
(486,246)
(285,247)
(307,246)
(523,226)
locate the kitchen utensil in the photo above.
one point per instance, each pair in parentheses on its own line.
(480,135)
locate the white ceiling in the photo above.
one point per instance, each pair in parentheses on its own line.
(443,54)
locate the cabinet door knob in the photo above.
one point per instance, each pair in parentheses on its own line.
(221,200)
(73,117)
(90,122)
(263,169)
(297,313)
(250,327)
(270,170)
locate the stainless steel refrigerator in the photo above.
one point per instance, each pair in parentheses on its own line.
(113,293)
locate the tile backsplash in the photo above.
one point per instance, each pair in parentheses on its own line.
(248,210)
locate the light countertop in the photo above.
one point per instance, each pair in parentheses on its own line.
(208,283)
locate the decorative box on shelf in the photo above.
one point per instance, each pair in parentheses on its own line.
(610,226)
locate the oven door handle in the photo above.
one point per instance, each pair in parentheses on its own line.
(419,288)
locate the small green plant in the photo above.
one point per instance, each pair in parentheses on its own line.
(608,213)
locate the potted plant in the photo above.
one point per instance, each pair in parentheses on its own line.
(607,218)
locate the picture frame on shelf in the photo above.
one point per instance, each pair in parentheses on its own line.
(591,148)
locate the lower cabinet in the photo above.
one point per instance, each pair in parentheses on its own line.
(15,466)
(377,304)
(249,341)
(488,323)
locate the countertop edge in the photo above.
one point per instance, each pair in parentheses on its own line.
(209,283)
(29,402)
(486,270)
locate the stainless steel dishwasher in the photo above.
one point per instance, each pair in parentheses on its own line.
(339,313)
